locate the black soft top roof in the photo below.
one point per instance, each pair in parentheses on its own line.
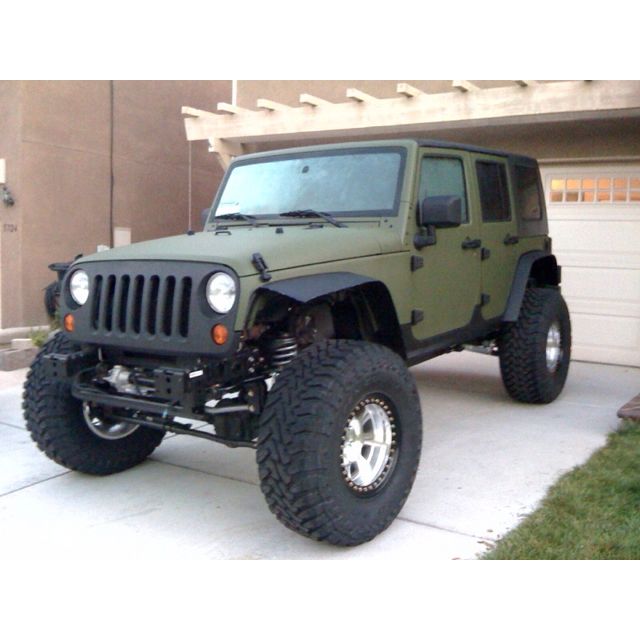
(444,144)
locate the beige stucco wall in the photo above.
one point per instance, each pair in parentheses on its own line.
(11,232)
(61,150)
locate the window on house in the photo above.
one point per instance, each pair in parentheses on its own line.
(494,192)
(595,189)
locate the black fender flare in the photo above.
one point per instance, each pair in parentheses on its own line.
(307,288)
(548,270)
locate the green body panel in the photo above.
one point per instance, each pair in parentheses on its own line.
(448,289)
(297,245)
(499,268)
(388,269)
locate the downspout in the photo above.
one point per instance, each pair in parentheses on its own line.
(111,176)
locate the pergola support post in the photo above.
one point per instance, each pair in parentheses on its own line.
(225,150)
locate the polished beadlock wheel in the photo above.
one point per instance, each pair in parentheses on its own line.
(368,445)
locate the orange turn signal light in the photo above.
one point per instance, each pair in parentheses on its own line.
(69,322)
(219,334)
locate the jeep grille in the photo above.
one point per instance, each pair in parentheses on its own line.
(141,305)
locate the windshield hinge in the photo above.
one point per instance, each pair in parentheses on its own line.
(258,262)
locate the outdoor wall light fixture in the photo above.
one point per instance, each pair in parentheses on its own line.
(7,198)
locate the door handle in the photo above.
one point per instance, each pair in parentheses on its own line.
(509,239)
(471,244)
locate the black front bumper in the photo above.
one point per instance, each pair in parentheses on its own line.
(164,391)
(171,391)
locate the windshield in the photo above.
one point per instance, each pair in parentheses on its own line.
(351,182)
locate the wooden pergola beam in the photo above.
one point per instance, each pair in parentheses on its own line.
(424,113)
(314,101)
(195,113)
(465,85)
(227,150)
(360,96)
(270,105)
(408,90)
(231,108)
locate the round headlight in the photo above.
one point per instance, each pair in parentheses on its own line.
(79,286)
(221,292)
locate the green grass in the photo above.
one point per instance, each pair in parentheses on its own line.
(591,513)
(38,337)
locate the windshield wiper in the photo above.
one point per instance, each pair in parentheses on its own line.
(312,213)
(237,216)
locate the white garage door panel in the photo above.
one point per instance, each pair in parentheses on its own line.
(602,236)
(598,245)
(605,331)
(606,292)
(602,338)
(605,355)
(611,285)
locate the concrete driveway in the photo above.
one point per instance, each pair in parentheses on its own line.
(486,462)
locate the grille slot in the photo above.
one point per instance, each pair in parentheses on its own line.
(141,305)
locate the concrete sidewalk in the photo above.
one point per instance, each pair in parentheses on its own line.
(486,462)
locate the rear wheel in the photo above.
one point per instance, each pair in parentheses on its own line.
(340,441)
(535,351)
(79,436)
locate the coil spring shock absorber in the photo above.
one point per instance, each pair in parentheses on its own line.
(282,350)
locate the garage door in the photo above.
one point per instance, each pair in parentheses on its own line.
(594,220)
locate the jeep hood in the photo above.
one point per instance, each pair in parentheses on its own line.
(295,246)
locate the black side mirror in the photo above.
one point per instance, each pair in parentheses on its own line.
(440,211)
(204,215)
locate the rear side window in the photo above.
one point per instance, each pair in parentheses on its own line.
(528,196)
(494,192)
(440,176)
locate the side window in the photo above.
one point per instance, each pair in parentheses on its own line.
(441,176)
(494,192)
(528,196)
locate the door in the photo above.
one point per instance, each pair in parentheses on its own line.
(594,221)
(446,285)
(499,254)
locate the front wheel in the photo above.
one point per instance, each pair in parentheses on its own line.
(535,351)
(79,436)
(339,442)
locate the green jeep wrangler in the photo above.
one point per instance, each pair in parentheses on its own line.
(288,324)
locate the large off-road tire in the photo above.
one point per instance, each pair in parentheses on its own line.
(340,440)
(535,351)
(57,425)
